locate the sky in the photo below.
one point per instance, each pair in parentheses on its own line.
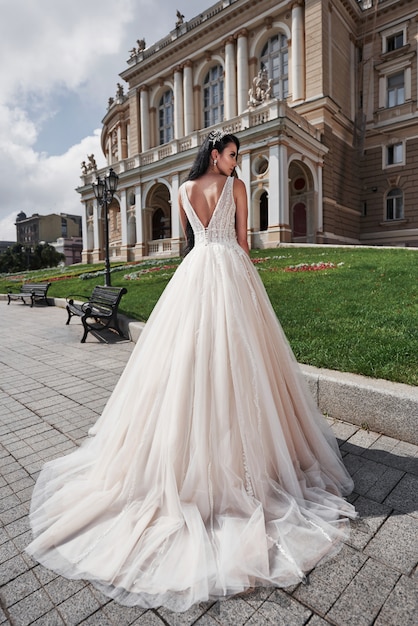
(59,64)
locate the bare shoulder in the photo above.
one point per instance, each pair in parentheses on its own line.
(239,189)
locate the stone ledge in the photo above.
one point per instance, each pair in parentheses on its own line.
(375,404)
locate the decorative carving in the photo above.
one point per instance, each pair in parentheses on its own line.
(261,89)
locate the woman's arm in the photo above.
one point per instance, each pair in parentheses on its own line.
(241,214)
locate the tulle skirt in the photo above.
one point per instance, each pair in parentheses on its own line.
(210,470)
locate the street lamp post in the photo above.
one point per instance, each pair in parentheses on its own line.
(104,190)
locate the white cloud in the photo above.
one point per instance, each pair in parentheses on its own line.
(60,63)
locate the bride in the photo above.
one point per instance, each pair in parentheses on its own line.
(210,471)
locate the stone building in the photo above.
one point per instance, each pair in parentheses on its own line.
(323,97)
(46,228)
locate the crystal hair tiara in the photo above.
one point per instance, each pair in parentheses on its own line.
(215,136)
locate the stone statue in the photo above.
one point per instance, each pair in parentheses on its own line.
(141,44)
(110,102)
(119,92)
(83,168)
(92,165)
(261,89)
(180,19)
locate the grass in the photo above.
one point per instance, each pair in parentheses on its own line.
(360,316)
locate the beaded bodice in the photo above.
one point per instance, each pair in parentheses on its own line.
(221,227)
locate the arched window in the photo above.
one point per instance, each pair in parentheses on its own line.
(213,96)
(394,204)
(166,117)
(274,59)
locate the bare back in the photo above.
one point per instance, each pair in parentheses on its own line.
(204,194)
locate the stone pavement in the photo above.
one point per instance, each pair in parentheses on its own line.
(50,395)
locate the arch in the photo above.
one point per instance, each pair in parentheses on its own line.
(301,202)
(259,210)
(205,66)
(131,230)
(394,204)
(158,203)
(262,37)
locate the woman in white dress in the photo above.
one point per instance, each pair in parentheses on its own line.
(211,470)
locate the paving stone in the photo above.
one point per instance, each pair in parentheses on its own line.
(97,619)
(328,580)
(78,607)
(396,543)
(19,588)
(280,609)
(118,615)
(31,608)
(401,607)
(404,497)
(362,600)
(343,430)
(371,517)
(207,620)
(150,619)
(13,514)
(52,618)
(317,621)
(187,617)
(225,611)
(359,441)
(60,589)
(386,483)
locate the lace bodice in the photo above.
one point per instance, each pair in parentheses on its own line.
(221,227)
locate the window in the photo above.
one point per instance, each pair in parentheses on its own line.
(274,59)
(394,154)
(64,230)
(395,89)
(213,96)
(394,204)
(394,42)
(166,117)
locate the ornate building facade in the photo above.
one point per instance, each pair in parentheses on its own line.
(323,97)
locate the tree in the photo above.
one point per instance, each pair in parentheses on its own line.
(18,258)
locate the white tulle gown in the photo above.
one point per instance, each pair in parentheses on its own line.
(210,470)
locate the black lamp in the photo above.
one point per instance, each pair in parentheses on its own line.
(104,190)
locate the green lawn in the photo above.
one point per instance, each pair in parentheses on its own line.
(360,316)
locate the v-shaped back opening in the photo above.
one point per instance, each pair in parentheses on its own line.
(216,205)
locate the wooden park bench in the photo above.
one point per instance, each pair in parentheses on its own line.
(34,291)
(100,311)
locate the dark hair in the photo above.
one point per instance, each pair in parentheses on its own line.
(218,140)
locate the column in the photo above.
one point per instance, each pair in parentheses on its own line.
(123,217)
(230,80)
(274,186)
(283,198)
(84,227)
(145,144)
(242,67)
(298,62)
(175,216)
(245,175)
(140,244)
(178,103)
(188,98)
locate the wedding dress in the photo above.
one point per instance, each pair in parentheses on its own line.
(210,470)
